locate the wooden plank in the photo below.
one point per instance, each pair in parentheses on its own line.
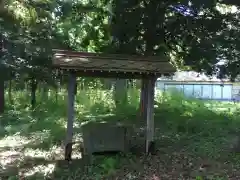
(150,113)
(152,95)
(143,99)
(83,61)
(118,67)
(66,53)
(71,99)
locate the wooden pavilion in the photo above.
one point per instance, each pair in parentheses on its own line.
(111,66)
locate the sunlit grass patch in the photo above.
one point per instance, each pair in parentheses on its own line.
(33,142)
(43,170)
(14,141)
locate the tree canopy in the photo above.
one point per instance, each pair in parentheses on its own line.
(193,34)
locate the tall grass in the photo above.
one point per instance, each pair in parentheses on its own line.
(203,128)
(172,110)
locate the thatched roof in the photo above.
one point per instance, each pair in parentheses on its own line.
(96,62)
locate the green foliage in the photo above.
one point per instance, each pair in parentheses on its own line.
(193,34)
(109,165)
(199,131)
(196,40)
(199,178)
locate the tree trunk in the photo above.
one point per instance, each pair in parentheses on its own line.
(120,93)
(45,91)
(56,94)
(10,92)
(2,99)
(26,90)
(108,84)
(33,92)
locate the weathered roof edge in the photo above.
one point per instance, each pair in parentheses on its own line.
(100,64)
(68,53)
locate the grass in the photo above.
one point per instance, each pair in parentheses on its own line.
(194,138)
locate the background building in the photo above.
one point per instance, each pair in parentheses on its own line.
(193,84)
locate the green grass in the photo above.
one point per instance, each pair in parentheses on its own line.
(190,134)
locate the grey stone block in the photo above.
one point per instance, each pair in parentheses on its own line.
(104,137)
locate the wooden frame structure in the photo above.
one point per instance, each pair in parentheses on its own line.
(111,66)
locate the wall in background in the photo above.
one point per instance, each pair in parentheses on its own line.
(224,91)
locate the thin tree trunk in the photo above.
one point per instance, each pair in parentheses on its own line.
(108,84)
(2,99)
(26,86)
(120,93)
(57,90)
(45,91)
(33,92)
(10,92)
(56,94)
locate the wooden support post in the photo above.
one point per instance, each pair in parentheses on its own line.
(71,99)
(150,115)
(143,100)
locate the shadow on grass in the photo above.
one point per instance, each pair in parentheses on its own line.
(182,126)
(33,168)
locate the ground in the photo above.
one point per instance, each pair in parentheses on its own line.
(195,140)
